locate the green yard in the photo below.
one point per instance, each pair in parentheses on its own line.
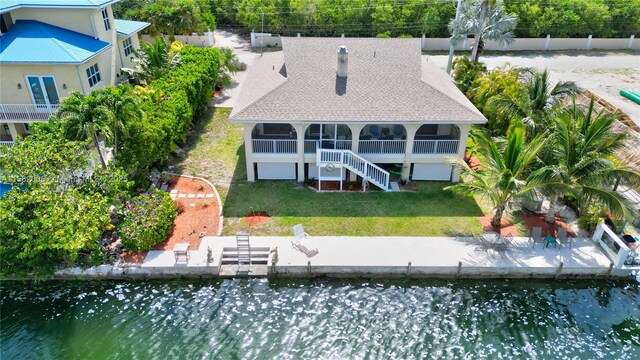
(215,151)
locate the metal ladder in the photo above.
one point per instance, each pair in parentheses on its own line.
(243,249)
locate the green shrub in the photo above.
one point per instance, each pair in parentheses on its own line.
(148,220)
(465,72)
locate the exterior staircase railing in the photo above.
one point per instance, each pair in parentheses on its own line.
(349,160)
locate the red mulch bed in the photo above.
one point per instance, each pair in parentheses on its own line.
(256,218)
(191,222)
(506,227)
(346,186)
(537,220)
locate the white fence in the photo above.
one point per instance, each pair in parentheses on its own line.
(205,40)
(382,146)
(274,146)
(524,44)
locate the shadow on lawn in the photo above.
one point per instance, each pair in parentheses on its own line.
(288,199)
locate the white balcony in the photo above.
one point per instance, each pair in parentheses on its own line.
(268,146)
(26,112)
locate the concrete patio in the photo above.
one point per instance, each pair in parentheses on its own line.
(398,256)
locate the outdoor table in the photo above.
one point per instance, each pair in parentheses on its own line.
(550,240)
(181,250)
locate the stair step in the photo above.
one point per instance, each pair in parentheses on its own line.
(394,186)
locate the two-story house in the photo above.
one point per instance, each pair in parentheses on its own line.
(342,108)
(50,48)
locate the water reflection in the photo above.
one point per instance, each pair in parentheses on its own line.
(292,319)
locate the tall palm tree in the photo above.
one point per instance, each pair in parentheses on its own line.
(505,171)
(585,167)
(84,117)
(124,104)
(484,19)
(540,103)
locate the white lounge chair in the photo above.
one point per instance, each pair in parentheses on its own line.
(563,238)
(536,236)
(299,234)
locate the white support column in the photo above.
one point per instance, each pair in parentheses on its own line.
(630,44)
(355,142)
(248,151)
(13,130)
(589,42)
(462,146)
(300,129)
(408,151)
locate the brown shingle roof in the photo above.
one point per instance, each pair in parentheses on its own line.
(387,81)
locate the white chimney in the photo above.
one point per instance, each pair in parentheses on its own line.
(343,61)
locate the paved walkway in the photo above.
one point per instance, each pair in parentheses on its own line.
(242,49)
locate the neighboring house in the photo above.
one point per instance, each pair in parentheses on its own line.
(349,108)
(50,48)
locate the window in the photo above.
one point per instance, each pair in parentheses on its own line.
(128,48)
(105,19)
(93,74)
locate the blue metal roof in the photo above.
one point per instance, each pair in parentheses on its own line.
(8,5)
(30,41)
(129,27)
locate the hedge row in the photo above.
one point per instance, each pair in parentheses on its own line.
(171,104)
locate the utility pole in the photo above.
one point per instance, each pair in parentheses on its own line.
(261,32)
(451,44)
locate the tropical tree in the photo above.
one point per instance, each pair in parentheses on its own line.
(585,168)
(124,104)
(84,117)
(485,20)
(229,64)
(154,60)
(504,174)
(536,105)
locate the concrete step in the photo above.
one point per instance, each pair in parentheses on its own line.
(394,186)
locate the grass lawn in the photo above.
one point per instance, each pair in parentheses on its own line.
(215,151)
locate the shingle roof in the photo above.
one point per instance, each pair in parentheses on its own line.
(387,81)
(30,41)
(129,27)
(8,5)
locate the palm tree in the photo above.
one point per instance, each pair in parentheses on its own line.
(539,103)
(84,117)
(229,64)
(124,104)
(585,167)
(153,60)
(503,175)
(484,19)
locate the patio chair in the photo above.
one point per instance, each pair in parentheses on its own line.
(374,130)
(398,130)
(299,234)
(536,236)
(563,238)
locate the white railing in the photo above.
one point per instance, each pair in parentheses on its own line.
(264,146)
(615,249)
(6,143)
(310,146)
(382,146)
(27,112)
(435,146)
(345,158)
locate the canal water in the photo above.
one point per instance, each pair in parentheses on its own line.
(320,319)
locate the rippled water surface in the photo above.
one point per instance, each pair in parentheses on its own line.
(302,319)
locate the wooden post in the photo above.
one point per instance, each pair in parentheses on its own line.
(309,267)
(409,268)
(610,270)
(459,269)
